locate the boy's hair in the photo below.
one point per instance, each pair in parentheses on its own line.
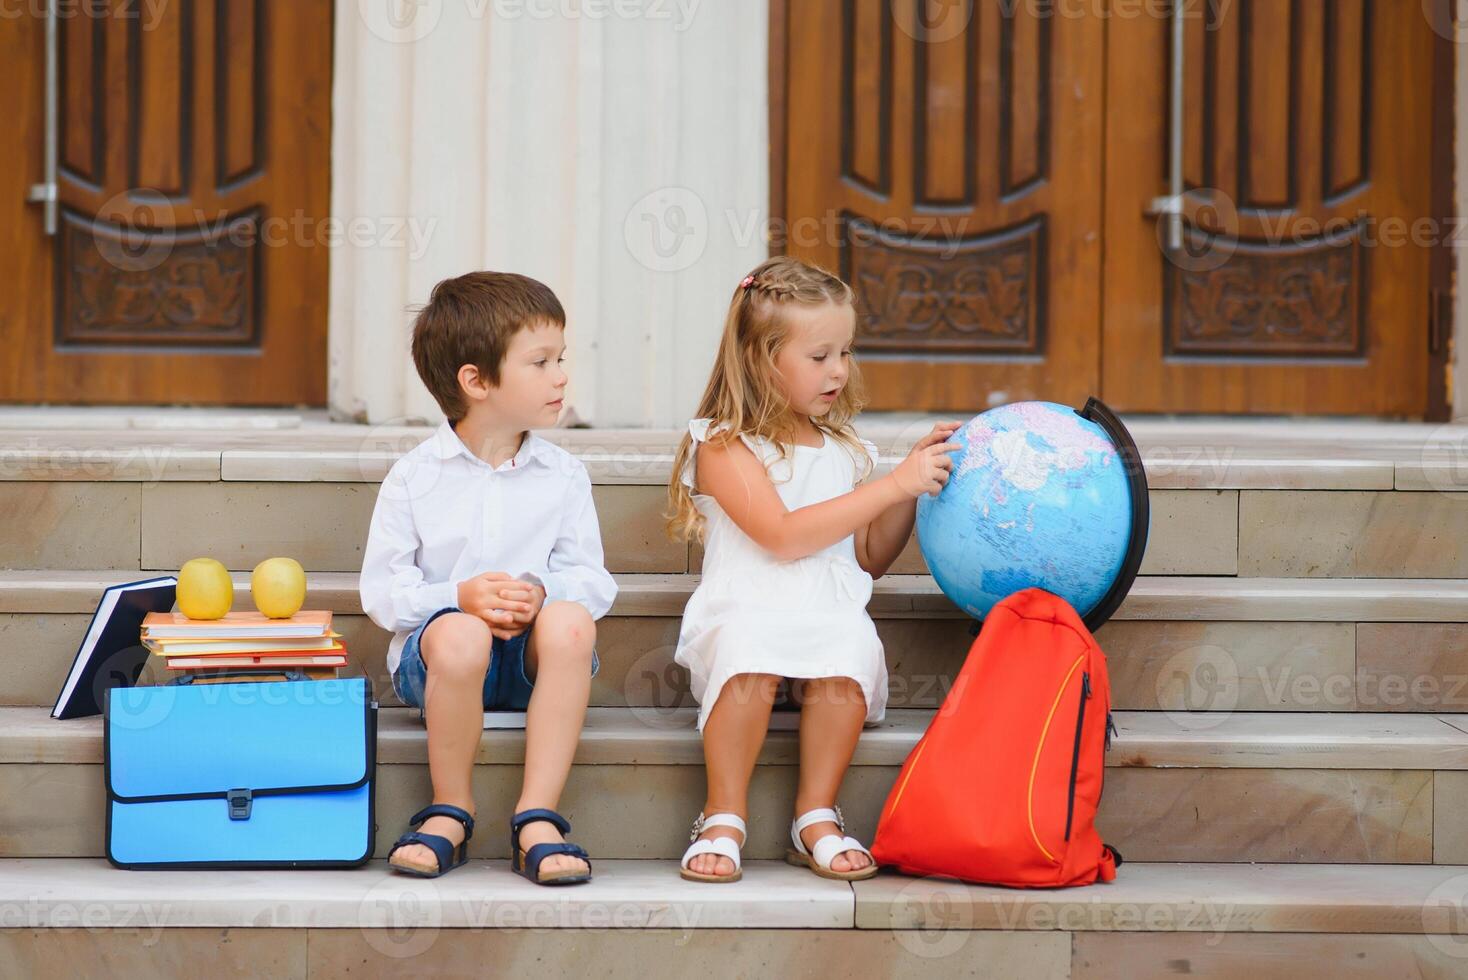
(470,320)
(743,392)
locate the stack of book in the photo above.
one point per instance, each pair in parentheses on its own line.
(245,641)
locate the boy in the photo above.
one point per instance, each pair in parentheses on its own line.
(485,559)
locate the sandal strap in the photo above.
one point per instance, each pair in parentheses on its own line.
(818,815)
(539,852)
(724,846)
(445,810)
(524,817)
(442,848)
(732,820)
(831,845)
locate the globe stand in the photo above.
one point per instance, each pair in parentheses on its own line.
(1096,411)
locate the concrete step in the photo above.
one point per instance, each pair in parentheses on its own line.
(1177,643)
(1333,788)
(1227,499)
(1265,533)
(1257,534)
(159,525)
(639,919)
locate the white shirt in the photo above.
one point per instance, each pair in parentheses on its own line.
(444,515)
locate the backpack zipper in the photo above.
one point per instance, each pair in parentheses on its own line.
(1075,753)
(1035,766)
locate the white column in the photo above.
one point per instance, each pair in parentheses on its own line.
(615,149)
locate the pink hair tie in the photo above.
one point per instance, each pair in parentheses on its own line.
(746,282)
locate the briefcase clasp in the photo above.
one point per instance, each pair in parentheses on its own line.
(239,804)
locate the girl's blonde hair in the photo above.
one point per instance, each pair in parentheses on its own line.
(743,393)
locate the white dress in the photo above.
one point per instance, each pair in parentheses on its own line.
(753,613)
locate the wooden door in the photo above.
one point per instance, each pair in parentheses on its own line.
(190,262)
(1303,282)
(948,158)
(945,157)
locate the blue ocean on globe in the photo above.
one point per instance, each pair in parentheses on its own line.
(1038,497)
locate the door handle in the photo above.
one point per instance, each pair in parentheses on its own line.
(1171,205)
(45,193)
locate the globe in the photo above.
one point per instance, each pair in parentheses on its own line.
(1041,496)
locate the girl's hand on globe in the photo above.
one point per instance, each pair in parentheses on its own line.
(928,465)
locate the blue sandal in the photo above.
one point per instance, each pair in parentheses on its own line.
(449,856)
(526,864)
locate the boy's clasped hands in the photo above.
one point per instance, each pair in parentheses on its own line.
(507,604)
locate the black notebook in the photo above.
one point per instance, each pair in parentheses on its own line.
(112,654)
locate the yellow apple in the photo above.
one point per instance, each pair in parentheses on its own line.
(279,587)
(204,589)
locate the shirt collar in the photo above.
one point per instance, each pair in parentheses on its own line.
(447,444)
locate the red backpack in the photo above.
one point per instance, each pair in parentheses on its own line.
(1003,787)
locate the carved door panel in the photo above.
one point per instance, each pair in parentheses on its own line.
(1302,285)
(190,261)
(944,157)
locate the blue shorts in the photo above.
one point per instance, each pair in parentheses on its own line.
(506,688)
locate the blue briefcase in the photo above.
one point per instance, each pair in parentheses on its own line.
(245,775)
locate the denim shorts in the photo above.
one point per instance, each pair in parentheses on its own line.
(506,688)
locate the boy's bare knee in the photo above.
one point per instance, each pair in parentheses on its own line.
(458,644)
(566,628)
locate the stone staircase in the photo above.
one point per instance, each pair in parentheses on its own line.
(1289,780)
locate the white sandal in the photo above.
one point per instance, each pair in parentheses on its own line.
(722,846)
(819,858)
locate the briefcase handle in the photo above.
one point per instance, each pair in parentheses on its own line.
(290,675)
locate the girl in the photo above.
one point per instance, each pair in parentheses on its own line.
(771,477)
